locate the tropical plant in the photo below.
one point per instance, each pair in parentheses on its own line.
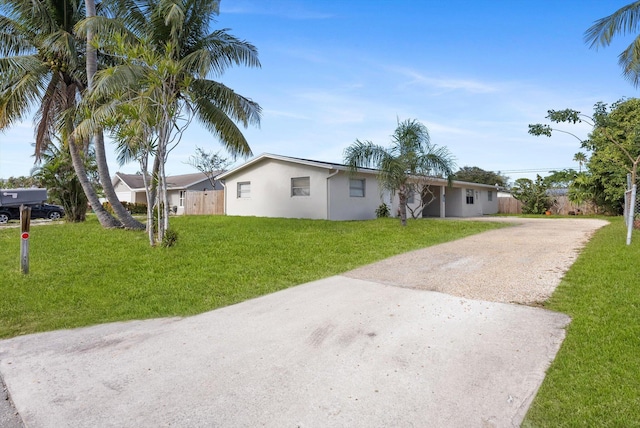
(164,57)
(406,166)
(41,64)
(55,172)
(382,211)
(98,137)
(622,22)
(581,158)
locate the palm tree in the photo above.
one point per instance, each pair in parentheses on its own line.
(164,56)
(40,63)
(410,158)
(623,21)
(581,158)
(98,138)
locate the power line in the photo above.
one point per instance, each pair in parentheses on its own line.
(514,171)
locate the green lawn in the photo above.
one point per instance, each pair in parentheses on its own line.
(81,274)
(595,378)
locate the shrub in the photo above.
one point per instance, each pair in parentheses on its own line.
(382,211)
(170,238)
(133,208)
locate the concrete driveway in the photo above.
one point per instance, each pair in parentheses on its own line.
(338,352)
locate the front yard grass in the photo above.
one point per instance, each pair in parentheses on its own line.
(595,378)
(81,274)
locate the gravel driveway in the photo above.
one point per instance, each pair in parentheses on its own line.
(499,266)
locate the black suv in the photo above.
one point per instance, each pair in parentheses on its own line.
(53,212)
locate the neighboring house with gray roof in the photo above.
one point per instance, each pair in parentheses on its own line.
(281,186)
(130,188)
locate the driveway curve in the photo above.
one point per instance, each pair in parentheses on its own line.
(375,347)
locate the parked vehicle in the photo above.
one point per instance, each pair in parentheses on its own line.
(53,212)
(12,199)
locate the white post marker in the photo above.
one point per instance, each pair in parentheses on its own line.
(632,207)
(25,222)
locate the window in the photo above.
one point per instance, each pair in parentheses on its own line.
(469,196)
(356,188)
(183,196)
(410,196)
(300,186)
(490,195)
(244,189)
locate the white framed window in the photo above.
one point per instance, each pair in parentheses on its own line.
(490,195)
(470,196)
(411,196)
(244,189)
(356,188)
(183,197)
(301,186)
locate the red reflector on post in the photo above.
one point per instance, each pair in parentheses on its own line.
(25,235)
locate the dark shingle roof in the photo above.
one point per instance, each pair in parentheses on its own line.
(134,181)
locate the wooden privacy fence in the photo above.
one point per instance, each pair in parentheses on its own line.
(209,202)
(509,205)
(560,206)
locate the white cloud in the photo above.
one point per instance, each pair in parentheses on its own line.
(443,84)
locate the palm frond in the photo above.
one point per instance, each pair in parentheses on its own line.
(623,21)
(239,108)
(365,154)
(218,123)
(21,90)
(14,38)
(226,51)
(629,60)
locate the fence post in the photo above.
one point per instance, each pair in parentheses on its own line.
(632,208)
(25,222)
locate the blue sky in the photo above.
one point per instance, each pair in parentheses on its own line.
(476,73)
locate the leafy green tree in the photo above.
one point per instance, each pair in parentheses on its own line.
(473,174)
(17,182)
(55,172)
(560,179)
(614,144)
(406,166)
(164,58)
(615,147)
(532,194)
(620,23)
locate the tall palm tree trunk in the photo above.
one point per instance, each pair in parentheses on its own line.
(98,139)
(402,204)
(105,219)
(107,186)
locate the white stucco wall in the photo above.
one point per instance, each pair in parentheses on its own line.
(123,193)
(270,194)
(342,206)
(457,205)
